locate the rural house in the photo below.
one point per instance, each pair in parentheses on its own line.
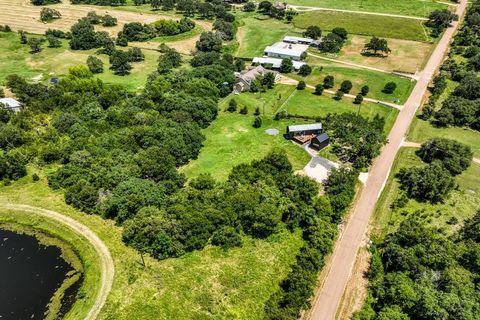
(284,50)
(243,80)
(308,133)
(275,63)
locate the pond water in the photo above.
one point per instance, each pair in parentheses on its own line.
(30,273)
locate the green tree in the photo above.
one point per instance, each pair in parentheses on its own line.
(301,85)
(455,156)
(286,66)
(35,45)
(377,44)
(257,123)
(95,65)
(209,41)
(338,95)
(358,99)
(120,63)
(53,42)
(232,106)
(23,37)
(313,32)
(49,14)
(305,70)
(318,89)
(268,80)
(389,87)
(169,60)
(364,91)
(346,86)
(328,82)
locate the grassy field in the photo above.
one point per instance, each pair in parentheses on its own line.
(211,283)
(17,59)
(254,35)
(364,24)
(305,103)
(461,204)
(406,56)
(404,7)
(231,139)
(360,77)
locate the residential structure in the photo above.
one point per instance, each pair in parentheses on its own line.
(312,134)
(284,50)
(11,104)
(243,80)
(275,63)
(320,141)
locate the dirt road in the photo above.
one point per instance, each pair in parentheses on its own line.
(338,271)
(106,262)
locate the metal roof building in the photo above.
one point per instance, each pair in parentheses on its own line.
(293,39)
(11,103)
(275,63)
(304,129)
(284,50)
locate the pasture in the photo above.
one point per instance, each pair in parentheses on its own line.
(365,24)
(420,8)
(18,60)
(201,284)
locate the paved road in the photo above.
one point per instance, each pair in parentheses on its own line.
(338,271)
(307,8)
(106,263)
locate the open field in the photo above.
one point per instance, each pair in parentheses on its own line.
(17,59)
(462,203)
(304,102)
(404,7)
(364,24)
(360,77)
(202,284)
(254,35)
(406,56)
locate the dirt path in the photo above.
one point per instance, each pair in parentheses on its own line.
(306,8)
(106,262)
(330,292)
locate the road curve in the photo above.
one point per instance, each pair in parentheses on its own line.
(343,258)
(106,262)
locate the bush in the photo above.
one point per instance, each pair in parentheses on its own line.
(226,237)
(257,123)
(338,95)
(389,87)
(232,106)
(257,111)
(249,7)
(48,14)
(109,21)
(35,177)
(301,85)
(358,99)
(364,91)
(244,110)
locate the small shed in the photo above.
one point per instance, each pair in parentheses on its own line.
(320,141)
(11,104)
(304,129)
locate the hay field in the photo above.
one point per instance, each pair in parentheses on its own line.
(22,15)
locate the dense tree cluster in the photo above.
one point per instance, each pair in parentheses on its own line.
(44,2)
(456,157)
(101,2)
(334,41)
(421,273)
(439,20)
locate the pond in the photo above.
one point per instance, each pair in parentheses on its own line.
(31,273)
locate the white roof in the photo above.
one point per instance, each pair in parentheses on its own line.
(296,39)
(283,49)
(10,102)
(276,62)
(305,127)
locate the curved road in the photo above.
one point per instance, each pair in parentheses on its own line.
(343,258)
(106,262)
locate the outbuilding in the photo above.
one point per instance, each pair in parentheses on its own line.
(320,141)
(275,63)
(303,130)
(11,104)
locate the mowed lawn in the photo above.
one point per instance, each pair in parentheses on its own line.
(305,103)
(16,59)
(364,24)
(461,204)
(420,8)
(254,35)
(231,139)
(211,283)
(360,77)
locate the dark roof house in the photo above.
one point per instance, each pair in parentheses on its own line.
(320,141)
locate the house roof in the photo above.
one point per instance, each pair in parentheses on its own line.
(276,62)
(284,49)
(304,127)
(10,103)
(297,39)
(322,137)
(252,74)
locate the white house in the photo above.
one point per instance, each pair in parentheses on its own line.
(275,63)
(11,104)
(286,50)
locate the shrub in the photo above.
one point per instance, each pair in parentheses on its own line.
(48,14)
(35,177)
(364,91)
(301,85)
(232,106)
(338,95)
(318,90)
(244,110)
(257,123)
(257,111)
(358,99)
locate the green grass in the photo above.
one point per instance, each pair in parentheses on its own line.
(211,283)
(462,203)
(254,35)
(231,140)
(360,77)
(305,103)
(16,59)
(403,7)
(364,24)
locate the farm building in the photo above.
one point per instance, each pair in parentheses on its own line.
(298,40)
(320,141)
(286,50)
(243,80)
(304,130)
(275,63)
(11,104)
